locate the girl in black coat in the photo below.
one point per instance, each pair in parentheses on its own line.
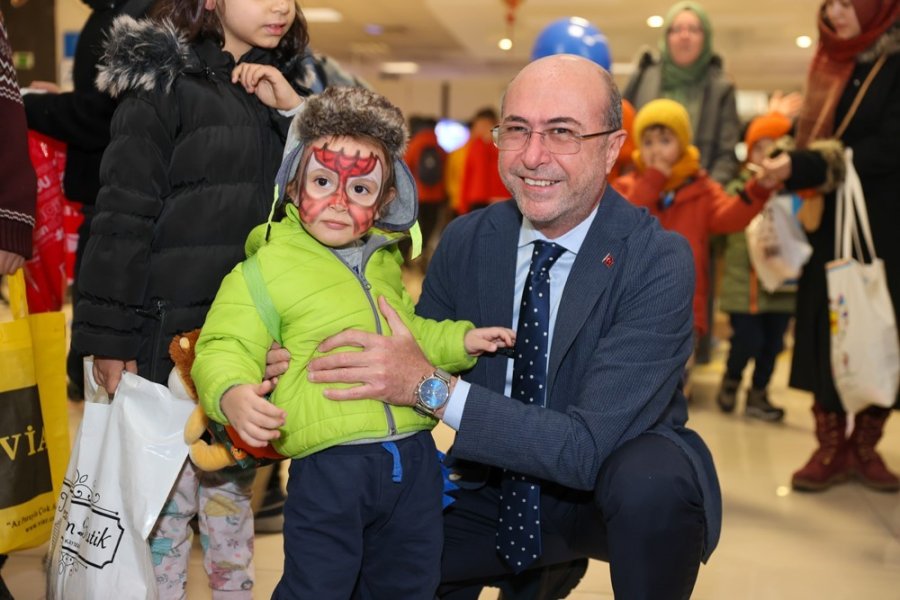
(188,172)
(856,38)
(206,91)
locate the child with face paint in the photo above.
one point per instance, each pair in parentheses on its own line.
(363,514)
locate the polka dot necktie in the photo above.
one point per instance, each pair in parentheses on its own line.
(519,525)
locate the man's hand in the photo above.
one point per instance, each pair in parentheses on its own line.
(388,368)
(254,418)
(10,262)
(108,372)
(269,85)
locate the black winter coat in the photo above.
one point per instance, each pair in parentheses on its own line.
(189,171)
(874,135)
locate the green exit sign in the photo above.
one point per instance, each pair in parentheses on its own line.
(24,61)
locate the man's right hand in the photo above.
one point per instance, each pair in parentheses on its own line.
(108,372)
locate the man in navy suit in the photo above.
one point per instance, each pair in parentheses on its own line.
(621,478)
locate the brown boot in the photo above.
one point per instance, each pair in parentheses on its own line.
(828,464)
(865,463)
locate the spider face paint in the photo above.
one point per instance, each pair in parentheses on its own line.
(341,185)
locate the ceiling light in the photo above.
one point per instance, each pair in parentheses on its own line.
(399,68)
(655,21)
(505,44)
(803,41)
(322,15)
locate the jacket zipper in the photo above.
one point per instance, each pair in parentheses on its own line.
(367,289)
(157,313)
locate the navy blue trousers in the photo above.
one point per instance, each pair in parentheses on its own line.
(362,522)
(760,337)
(645,518)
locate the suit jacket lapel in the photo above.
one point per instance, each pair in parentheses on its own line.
(592,273)
(496,257)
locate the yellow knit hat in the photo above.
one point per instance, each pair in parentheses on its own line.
(668,113)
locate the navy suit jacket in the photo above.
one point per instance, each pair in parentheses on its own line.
(622,336)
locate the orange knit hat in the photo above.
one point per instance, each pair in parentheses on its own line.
(773,125)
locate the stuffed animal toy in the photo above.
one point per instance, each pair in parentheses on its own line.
(226,449)
(207,456)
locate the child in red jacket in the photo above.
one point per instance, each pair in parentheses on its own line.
(669,181)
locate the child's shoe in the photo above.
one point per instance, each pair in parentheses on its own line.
(727,396)
(759,407)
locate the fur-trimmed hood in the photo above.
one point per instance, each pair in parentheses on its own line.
(354,111)
(143,55)
(148,55)
(888,43)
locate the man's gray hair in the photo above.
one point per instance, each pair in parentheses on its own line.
(613,115)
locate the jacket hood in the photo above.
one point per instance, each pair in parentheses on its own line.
(399,215)
(142,55)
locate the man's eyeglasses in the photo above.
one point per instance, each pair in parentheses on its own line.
(557,140)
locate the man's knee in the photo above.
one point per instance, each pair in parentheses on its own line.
(648,477)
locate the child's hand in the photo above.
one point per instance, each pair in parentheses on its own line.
(269,85)
(774,171)
(655,161)
(108,372)
(788,105)
(489,339)
(254,418)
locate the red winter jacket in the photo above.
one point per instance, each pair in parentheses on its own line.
(700,208)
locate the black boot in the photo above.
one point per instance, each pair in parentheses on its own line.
(759,407)
(727,396)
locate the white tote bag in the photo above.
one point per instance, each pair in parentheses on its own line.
(865,352)
(126,458)
(776,243)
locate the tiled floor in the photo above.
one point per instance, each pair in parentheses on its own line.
(776,545)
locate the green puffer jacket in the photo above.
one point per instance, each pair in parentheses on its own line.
(317,295)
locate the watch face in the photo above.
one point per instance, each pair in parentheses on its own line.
(433,393)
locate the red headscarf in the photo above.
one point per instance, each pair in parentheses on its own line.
(833,65)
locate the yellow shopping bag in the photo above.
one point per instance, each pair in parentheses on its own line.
(34,429)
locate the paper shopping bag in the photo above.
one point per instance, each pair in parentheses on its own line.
(34,422)
(124,462)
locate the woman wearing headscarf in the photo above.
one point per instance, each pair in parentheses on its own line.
(858,58)
(686,69)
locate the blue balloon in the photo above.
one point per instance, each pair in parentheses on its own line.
(572,35)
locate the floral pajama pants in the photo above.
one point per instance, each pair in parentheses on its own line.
(221,501)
